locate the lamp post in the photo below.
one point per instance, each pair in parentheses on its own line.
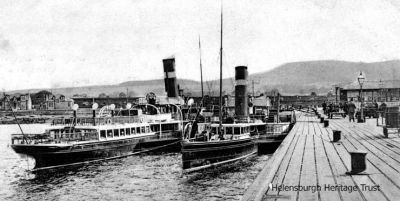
(129,106)
(94,107)
(336,95)
(361,79)
(279,102)
(380,89)
(180,111)
(112,108)
(75,107)
(381,113)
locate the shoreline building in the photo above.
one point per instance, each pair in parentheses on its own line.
(387,91)
(16,102)
(43,100)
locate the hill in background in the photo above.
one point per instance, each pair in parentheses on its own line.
(290,78)
(320,76)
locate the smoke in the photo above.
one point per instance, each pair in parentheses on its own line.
(5,45)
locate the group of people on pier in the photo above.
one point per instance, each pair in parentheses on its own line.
(347,108)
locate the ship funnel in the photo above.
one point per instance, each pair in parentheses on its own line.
(169,77)
(241,99)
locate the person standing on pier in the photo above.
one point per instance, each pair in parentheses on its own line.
(352,109)
(330,110)
(345,108)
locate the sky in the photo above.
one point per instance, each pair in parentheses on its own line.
(67,43)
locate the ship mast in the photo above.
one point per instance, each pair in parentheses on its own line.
(15,117)
(220,79)
(201,75)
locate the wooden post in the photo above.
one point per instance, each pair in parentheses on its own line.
(75,120)
(385,131)
(326,123)
(358,162)
(94,117)
(336,135)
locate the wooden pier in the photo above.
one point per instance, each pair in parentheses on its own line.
(309,166)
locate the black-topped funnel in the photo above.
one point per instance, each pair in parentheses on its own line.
(241,99)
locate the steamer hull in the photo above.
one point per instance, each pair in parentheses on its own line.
(197,155)
(64,155)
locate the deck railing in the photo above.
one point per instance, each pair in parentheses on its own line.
(29,138)
(96,121)
(45,138)
(277,129)
(116,119)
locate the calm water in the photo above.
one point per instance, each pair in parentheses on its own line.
(146,177)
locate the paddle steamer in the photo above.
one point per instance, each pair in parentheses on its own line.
(75,140)
(211,144)
(81,140)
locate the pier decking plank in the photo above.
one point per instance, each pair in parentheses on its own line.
(342,152)
(324,170)
(339,168)
(293,173)
(382,154)
(309,158)
(376,176)
(377,168)
(279,176)
(374,143)
(308,176)
(257,189)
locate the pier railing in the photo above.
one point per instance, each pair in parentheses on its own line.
(389,118)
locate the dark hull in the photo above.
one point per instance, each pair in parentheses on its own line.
(197,155)
(268,145)
(54,156)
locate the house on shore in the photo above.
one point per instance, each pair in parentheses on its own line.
(43,100)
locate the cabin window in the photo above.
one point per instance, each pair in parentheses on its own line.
(236,130)
(156,128)
(57,134)
(52,135)
(109,133)
(138,130)
(228,130)
(122,132)
(165,127)
(116,133)
(133,131)
(147,129)
(214,130)
(128,131)
(142,129)
(102,133)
